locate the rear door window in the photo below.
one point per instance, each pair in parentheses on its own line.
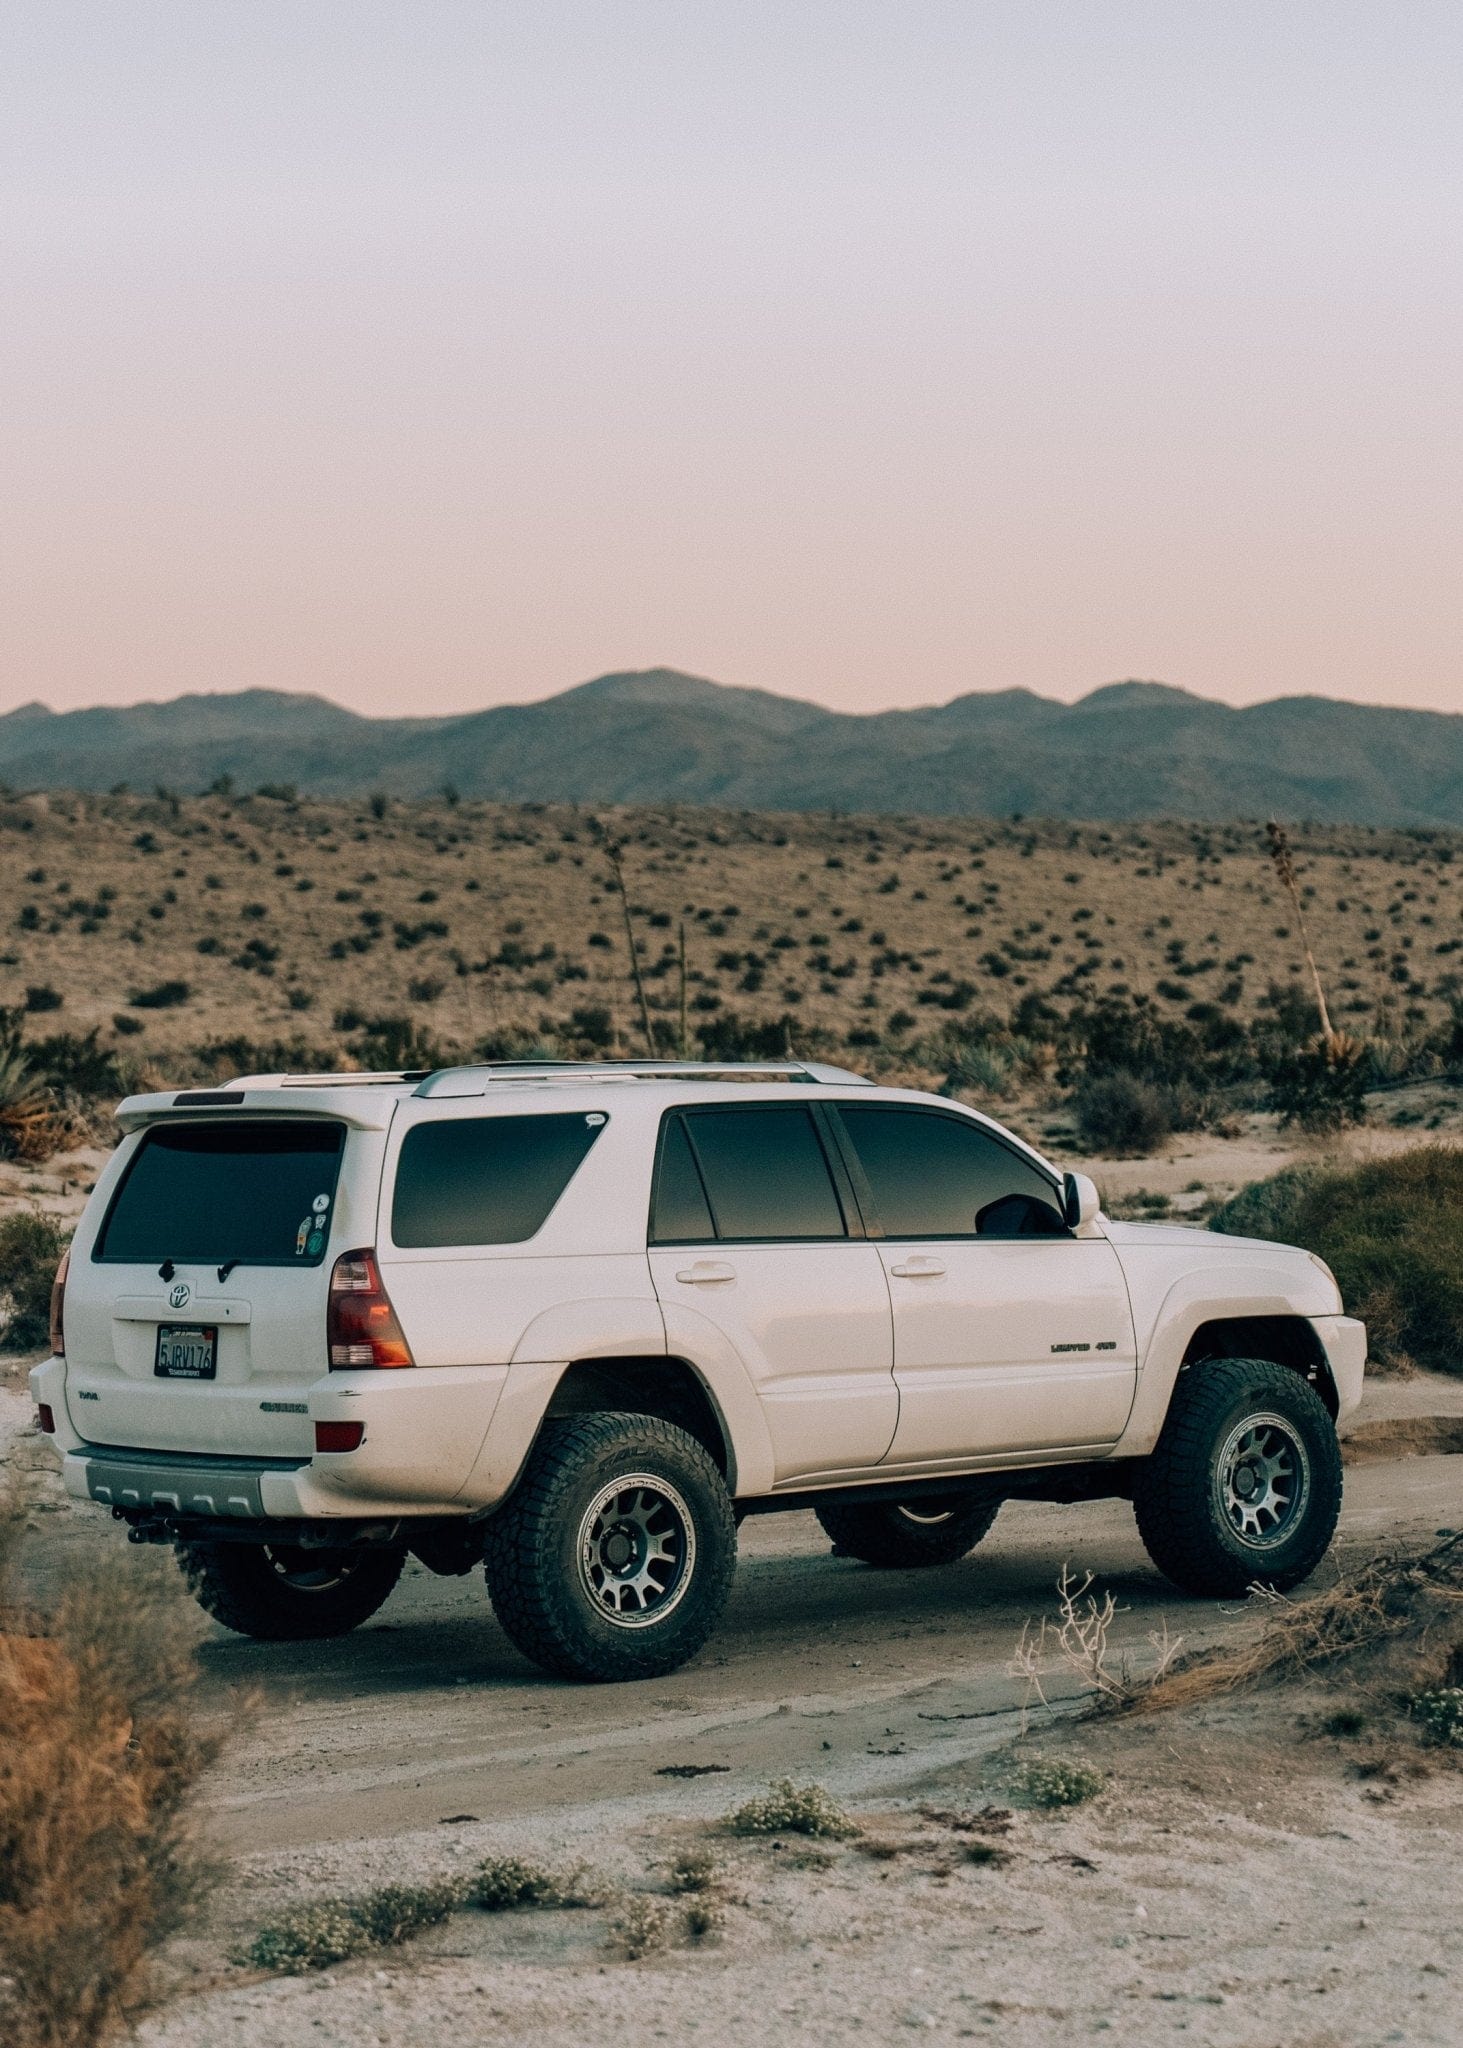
(486,1180)
(252,1193)
(933,1175)
(765,1174)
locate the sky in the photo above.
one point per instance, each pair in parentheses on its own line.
(437,355)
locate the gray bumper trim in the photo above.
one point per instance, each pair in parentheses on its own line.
(180,1484)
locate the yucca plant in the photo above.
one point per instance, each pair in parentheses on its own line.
(27,1120)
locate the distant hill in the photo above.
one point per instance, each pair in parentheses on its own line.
(1131,750)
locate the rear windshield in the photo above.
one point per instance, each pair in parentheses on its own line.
(256,1194)
(486,1179)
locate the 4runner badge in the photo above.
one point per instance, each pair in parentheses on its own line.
(181,1295)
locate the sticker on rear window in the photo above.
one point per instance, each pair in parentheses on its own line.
(302,1236)
(320,1204)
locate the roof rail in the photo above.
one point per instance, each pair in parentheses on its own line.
(473,1080)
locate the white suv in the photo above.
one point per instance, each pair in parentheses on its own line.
(576,1321)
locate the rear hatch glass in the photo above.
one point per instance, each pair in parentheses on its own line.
(257,1194)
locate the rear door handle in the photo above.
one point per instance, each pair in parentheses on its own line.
(918,1268)
(705,1273)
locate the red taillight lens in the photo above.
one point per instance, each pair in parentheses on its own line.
(45,1415)
(360,1324)
(339,1436)
(58,1306)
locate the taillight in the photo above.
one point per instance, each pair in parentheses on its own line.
(339,1436)
(46,1416)
(360,1324)
(58,1306)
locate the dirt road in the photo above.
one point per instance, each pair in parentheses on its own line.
(863,1678)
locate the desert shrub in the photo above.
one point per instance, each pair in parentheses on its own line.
(787,1808)
(1391,1230)
(221,1059)
(395,1043)
(30,1251)
(1059,1781)
(643,1924)
(1440,1710)
(163,995)
(75,1064)
(1321,1086)
(728,1037)
(102,1750)
(503,1882)
(1123,1115)
(43,997)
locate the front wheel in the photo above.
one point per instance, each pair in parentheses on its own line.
(614,1557)
(902,1534)
(1244,1484)
(281,1593)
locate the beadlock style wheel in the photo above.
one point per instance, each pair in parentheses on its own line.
(637,1550)
(1264,1480)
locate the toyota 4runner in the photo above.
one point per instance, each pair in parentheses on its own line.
(575,1322)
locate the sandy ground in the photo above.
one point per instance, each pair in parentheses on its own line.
(1239,1881)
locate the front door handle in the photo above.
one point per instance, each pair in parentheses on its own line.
(918,1268)
(705,1273)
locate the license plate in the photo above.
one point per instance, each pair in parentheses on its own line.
(185,1354)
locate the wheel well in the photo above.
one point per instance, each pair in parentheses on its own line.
(1287,1340)
(667,1387)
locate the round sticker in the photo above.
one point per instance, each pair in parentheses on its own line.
(316,1241)
(320,1204)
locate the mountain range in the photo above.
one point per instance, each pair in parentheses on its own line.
(1129,750)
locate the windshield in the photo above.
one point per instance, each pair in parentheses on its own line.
(253,1193)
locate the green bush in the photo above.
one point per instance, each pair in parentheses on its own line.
(1122,1115)
(30,1251)
(1390,1230)
(1060,1781)
(1321,1087)
(790,1809)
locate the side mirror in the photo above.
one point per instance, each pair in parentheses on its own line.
(1081,1202)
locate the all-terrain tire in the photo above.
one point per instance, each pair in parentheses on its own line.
(1244,1483)
(280,1594)
(614,1556)
(899,1535)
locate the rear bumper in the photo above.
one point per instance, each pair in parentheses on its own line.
(422,1428)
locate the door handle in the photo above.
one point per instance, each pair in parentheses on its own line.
(918,1268)
(706,1273)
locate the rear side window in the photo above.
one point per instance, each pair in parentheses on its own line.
(254,1193)
(486,1179)
(680,1212)
(938,1176)
(764,1174)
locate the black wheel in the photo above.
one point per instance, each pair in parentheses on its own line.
(614,1557)
(284,1594)
(1244,1484)
(900,1534)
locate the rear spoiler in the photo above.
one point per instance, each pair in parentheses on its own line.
(361,1110)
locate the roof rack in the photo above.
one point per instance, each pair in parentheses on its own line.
(473,1080)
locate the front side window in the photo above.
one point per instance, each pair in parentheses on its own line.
(485,1179)
(762,1174)
(250,1193)
(933,1175)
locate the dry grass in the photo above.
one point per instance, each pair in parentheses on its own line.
(101,1748)
(1394,1625)
(268,919)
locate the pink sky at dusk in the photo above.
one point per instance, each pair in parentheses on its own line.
(872,351)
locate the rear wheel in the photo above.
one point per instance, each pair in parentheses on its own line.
(614,1557)
(902,1534)
(1244,1484)
(282,1593)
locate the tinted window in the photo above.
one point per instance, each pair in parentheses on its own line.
(765,1173)
(680,1213)
(934,1176)
(485,1179)
(259,1194)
